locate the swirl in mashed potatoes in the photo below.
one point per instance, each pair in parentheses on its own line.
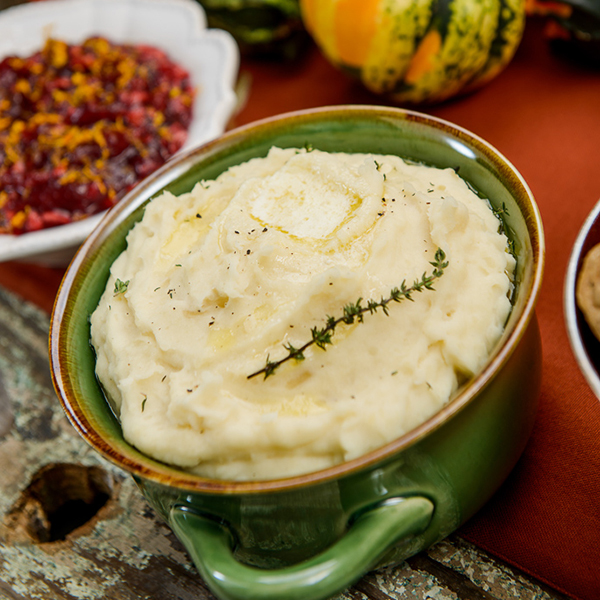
(218,279)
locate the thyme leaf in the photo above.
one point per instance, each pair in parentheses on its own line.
(354,312)
(120,287)
(500,212)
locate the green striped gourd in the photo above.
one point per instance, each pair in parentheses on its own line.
(417,51)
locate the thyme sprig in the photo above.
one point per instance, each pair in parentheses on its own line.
(322,337)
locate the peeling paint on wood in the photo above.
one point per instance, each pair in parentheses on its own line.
(124,550)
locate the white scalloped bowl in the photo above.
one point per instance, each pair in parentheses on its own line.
(176,26)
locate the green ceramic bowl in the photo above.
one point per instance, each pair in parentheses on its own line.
(310,536)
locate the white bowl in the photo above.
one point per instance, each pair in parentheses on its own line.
(176,26)
(584,344)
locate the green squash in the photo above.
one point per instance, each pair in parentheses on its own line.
(260,27)
(417,51)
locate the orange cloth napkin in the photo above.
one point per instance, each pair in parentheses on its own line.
(543,114)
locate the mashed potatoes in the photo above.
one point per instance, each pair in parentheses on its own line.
(216,282)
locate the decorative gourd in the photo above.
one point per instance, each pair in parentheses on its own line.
(417,51)
(260,27)
(573,26)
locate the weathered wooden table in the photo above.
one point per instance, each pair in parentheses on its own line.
(74,527)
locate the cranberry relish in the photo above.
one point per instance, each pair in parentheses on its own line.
(80,125)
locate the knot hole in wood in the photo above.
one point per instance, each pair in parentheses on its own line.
(60,499)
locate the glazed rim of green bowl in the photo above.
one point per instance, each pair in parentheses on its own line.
(343,128)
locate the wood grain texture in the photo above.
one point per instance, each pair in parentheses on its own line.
(125,551)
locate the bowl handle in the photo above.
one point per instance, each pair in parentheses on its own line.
(210,544)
